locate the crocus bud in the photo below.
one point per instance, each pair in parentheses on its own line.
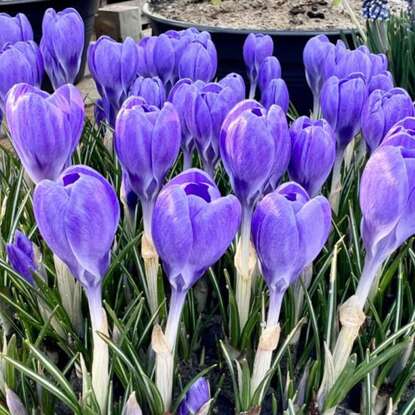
(236,83)
(22,256)
(19,62)
(199,60)
(62,44)
(276,92)
(383,81)
(379,63)
(132,407)
(278,127)
(77,216)
(14,29)
(334,56)
(196,398)
(45,129)
(381,111)
(352,61)
(315,55)
(288,230)
(186,211)
(147,142)
(342,102)
(151,89)
(14,403)
(257,47)
(247,149)
(210,108)
(313,153)
(113,66)
(182,96)
(269,69)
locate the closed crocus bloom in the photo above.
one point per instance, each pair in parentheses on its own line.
(379,63)
(199,61)
(313,153)
(315,55)
(19,62)
(22,256)
(14,403)
(342,102)
(381,111)
(288,230)
(192,227)
(14,29)
(197,399)
(278,127)
(269,69)
(62,44)
(257,47)
(334,56)
(357,60)
(276,92)
(210,108)
(182,96)
(151,89)
(383,81)
(147,142)
(113,66)
(236,83)
(45,129)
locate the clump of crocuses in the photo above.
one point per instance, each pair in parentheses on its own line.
(192,227)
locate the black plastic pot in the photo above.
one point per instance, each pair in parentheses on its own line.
(35,9)
(289,47)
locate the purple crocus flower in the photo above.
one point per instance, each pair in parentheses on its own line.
(147,142)
(196,398)
(45,129)
(22,256)
(276,92)
(182,96)
(62,45)
(381,111)
(14,29)
(257,47)
(151,89)
(236,83)
(315,56)
(288,230)
(269,69)
(334,56)
(354,61)
(199,60)
(14,403)
(19,62)
(113,66)
(383,81)
(313,153)
(210,108)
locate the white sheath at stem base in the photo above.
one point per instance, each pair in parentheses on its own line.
(151,266)
(336,185)
(267,344)
(70,292)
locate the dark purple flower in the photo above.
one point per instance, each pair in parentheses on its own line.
(313,153)
(113,66)
(45,129)
(247,149)
(276,92)
(334,56)
(192,226)
(288,230)
(269,69)
(22,257)
(19,62)
(196,398)
(151,89)
(14,29)
(342,102)
(383,81)
(354,61)
(381,111)
(62,45)
(236,83)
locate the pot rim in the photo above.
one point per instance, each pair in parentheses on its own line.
(17,2)
(219,29)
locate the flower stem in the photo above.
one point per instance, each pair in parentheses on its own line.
(335,190)
(252,89)
(268,340)
(164,345)
(187,160)
(244,273)
(316,107)
(100,357)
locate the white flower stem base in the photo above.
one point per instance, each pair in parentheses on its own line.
(151,266)
(336,185)
(70,292)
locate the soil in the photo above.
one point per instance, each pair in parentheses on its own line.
(309,15)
